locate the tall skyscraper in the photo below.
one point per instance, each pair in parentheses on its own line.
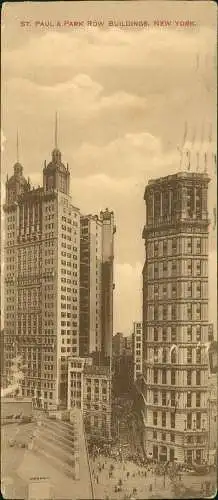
(175,316)
(90,285)
(109,230)
(42,255)
(96,283)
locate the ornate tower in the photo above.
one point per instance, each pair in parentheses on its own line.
(56,177)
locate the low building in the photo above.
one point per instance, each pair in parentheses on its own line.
(137,348)
(89,388)
(122,345)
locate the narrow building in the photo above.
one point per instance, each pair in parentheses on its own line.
(96,284)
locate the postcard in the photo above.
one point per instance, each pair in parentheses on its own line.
(108,250)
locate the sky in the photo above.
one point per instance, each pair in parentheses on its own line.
(123,96)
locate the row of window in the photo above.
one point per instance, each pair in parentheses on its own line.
(167,247)
(169,334)
(161,376)
(191,399)
(167,269)
(172,312)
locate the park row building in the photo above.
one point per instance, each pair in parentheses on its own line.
(175,317)
(44,281)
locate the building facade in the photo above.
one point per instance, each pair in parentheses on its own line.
(108,231)
(89,389)
(41,282)
(90,285)
(175,317)
(137,348)
(122,345)
(96,283)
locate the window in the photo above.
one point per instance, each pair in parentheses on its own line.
(163,419)
(164,377)
(189,334)
(189,377)
(173,398)
(198,246)
(154,434)
(164,335)
(198,399)
(154,417)
(198,268)
(155,312)
(173,312)
(189,420)
(156,245)
(198,333)
(163,436)
(173,290)
(172,420)
(172,437)
(198,420)
(164,355)
(198,289)
(164,398)
(173,377)
(156,275)
(155,375)
(198,377)
(155,397)
(189,267)
(155,355)
(165,247)
(173,355)
(189,355)
(189,245)
(174,268)
(189,400)
(198,311)
(189,289)
(156,289)
(165,269)
(173,334)
(189,312)
(174,246)
(165,312)
(198,355)
(155,334)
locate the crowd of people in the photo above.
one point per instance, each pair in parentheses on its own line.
(127,475)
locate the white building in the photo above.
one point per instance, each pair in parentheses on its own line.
(175,317)
(89,389)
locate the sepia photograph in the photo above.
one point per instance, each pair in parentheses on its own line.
(109,354)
